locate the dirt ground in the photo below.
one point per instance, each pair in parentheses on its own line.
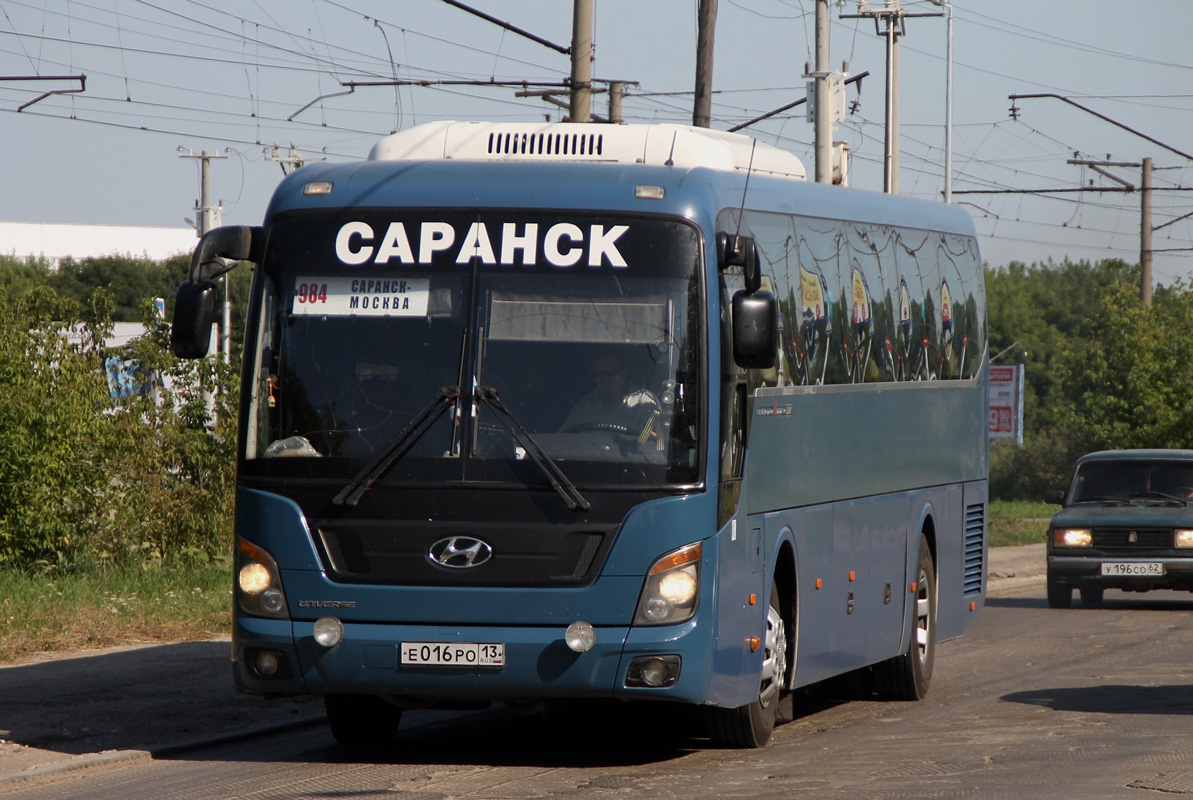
(140,698)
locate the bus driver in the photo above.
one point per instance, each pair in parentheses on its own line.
(614,405)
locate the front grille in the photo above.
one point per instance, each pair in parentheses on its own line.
(396,553)
(1132,538)
(975,536)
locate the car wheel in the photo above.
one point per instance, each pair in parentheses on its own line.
(1059,595)
(1092,595)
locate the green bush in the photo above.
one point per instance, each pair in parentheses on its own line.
(84,480)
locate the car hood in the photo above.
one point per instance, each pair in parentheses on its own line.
(1090,515)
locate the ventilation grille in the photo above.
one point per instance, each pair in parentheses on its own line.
(546,144)
(975,535)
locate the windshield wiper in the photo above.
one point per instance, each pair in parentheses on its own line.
(1161,495)
(559,481)
(397,446)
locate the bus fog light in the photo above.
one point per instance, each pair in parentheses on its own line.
(265,664)
(653,672)
(328,631)
(580,636)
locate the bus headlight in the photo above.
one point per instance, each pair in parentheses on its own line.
(672,588)
(258,582)
(1182,538)
(1072,537)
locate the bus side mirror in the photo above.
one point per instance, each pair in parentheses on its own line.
(1054,497)
(755,316)
(194,311)
(221,249)
(734,250)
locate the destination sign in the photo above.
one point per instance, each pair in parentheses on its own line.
(561,244)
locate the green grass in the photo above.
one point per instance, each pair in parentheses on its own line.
(1016,522)
(115,606)
(52,612)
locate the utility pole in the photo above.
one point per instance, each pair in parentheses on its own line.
(1145,233)
(616,92)
(706,28)
(822,96)
(208,217)
(894,22)
(581,95)
(1145,217)
(1146,229)
(948,100)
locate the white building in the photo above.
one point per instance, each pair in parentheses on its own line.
(55,242)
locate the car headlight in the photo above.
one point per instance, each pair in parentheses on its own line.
(672,588)
(1072,537)
(1182,538)
(258,582)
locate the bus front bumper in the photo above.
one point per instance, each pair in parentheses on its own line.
(537,662)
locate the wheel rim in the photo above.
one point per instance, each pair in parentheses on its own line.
(774,658)
(923,616)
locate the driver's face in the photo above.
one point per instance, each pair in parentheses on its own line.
(611,377)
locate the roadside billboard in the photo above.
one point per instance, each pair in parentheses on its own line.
(1006,402)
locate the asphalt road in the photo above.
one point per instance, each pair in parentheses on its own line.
(119,723)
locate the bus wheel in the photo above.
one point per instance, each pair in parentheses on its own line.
(1091,595)
(907,676)
(751,725)
(361,719)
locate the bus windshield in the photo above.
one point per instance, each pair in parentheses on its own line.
(473,369)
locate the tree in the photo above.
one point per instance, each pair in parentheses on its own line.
(1130,384)
(1044,307)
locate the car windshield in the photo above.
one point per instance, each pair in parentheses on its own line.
(1132,481)
(586,351)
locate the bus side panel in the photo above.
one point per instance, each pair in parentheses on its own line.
(882,526)
(838,443)
(818,615)
(738,575)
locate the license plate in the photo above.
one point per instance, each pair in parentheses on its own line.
(1130,568)
(452,654)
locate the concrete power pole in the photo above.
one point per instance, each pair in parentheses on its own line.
(895,19)
(823,120)
(706,29)
(581,96)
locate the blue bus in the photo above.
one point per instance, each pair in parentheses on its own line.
(573,411)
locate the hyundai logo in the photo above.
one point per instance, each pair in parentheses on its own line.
(459,552)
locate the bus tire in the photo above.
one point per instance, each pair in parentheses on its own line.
(361,719)
(1091,595)
(750,726)
(908,676)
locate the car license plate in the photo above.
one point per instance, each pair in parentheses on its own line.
(452,654)
(1132,568)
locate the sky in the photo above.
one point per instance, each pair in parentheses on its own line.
(167,79)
